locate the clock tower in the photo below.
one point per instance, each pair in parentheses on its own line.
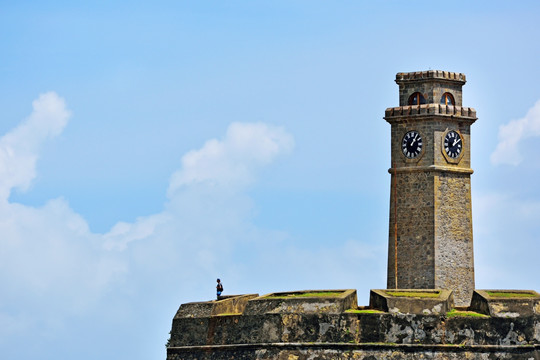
(430,232)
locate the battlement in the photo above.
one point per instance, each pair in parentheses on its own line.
(429,75)
(287,325)
(431,109)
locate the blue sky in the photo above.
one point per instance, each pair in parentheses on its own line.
(147,149)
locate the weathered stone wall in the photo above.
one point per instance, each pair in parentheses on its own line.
(434,233)
(454,262)
(413,209)
(355,328)
(354,352)
(514,303)
(354,336)
(279,303)
(439,302)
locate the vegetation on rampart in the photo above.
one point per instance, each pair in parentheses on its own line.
(509,294)
(364,311)
(306,294)
(462,313)
(419,294)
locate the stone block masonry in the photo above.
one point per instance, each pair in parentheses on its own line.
(274,332)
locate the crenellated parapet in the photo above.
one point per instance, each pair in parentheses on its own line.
(430,87)
(391,114)
(430,75)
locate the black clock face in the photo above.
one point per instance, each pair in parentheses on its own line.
(453,144)
(411,144)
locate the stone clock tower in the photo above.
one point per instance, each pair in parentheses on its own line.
(430,234)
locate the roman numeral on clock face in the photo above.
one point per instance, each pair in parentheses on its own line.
(411,144)
(453,144)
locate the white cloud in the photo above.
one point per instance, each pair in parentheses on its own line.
(123,233)
(232,160)
(19,148)
(511,134)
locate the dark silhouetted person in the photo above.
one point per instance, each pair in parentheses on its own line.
(219,288)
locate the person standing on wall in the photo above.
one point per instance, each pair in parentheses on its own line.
(219,288)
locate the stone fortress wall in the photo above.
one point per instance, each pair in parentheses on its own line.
(277,326)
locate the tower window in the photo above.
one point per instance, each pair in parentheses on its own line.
(447,99)
(417,99)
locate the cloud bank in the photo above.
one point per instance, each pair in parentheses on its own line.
(55,271)
(511,134)
(53,267)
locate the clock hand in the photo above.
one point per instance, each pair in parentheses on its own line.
(456,141)
(414,139)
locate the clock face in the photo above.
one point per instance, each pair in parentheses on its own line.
(411,144)
(453,144)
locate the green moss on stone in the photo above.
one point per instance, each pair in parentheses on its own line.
(228,314)
(367,311)
(419,294)
(307,294)
(460,313)
(509,294)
